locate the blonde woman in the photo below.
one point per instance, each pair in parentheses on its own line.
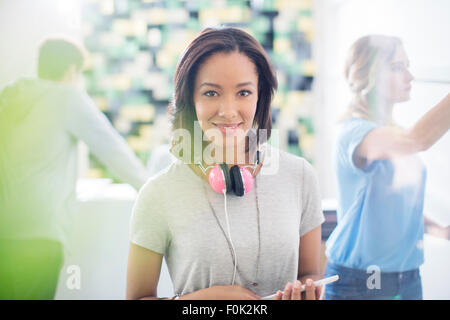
(376,248)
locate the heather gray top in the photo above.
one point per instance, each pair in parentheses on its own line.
(172,216)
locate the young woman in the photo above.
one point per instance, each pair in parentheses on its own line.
(377,246)
(260,238)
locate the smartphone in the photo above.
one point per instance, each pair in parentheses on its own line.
(320,282)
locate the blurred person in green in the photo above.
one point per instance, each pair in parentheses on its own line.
(41,121)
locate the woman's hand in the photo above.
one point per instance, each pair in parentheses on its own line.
(234,292)
(293,291)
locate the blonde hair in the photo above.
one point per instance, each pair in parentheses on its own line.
(365,57)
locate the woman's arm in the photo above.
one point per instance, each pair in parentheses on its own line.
(309,262)
(390,142)
(308,270)
(310,240)
(309,255)
(144,267)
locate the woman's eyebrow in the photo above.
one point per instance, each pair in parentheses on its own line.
(210,84)
(243,84)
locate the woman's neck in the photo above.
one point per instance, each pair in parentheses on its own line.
(382,110)
(234,156)
(250,164)
(385,116)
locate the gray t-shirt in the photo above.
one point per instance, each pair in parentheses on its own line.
(173,216)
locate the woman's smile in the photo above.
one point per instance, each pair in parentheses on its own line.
(226,97)
(228,128)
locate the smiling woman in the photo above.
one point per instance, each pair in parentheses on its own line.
(239,97)
(222,101)
(227,231)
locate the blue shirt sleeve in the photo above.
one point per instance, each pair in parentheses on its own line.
(352,133)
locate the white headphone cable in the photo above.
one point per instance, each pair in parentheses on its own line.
(229,236)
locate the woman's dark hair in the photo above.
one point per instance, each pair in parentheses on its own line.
(56,55)
(207,43)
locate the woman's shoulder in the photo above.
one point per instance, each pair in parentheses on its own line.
(355,123)
(352,128)
(288,163)
(286,157)
(166,179)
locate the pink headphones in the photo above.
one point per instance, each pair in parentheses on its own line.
(239,179)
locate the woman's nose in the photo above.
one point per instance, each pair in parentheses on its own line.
(409,76)
(227,109)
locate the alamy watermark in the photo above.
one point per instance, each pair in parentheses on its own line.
(226,145)
(374,280)
(73,281)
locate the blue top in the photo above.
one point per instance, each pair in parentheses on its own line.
(380,211)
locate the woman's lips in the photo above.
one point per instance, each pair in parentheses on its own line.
(228,128)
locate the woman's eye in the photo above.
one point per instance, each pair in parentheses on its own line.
(398,68)
(210,93)
(245,93)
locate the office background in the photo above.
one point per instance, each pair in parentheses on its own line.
(134,47)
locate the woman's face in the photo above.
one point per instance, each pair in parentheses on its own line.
(226,96)
(394,81)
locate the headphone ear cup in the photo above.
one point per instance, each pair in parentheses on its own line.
(226,175)
(236,177)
